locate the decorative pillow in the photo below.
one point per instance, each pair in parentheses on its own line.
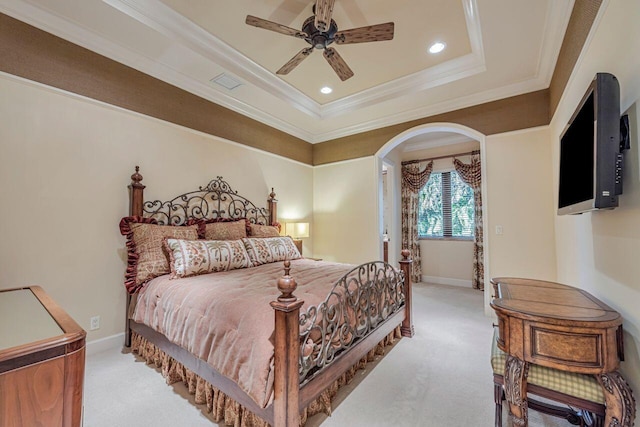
(270,249)
(145,245)
(257,230)
(192,257)
(225,230)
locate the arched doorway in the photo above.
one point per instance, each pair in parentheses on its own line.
(389,184)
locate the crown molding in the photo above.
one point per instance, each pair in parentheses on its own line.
(160,17)
(168,22)
(557,18)
(438,75)
(155,14)
(446,72)
(502,92)
(64,28)
(556,21)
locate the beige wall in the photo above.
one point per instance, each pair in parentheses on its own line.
(393,159)
(346,211)
(60,154)
(448,262)
(598,251)
(518,177)
(65,163)
(519,182)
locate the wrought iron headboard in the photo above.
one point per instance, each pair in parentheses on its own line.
(215,200)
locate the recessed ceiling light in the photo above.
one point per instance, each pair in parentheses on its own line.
(437,47)
(326,90)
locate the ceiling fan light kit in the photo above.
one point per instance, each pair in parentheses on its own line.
(320,30)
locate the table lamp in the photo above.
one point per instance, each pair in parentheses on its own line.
(297,231)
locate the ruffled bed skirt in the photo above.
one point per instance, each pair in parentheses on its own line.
(222,407)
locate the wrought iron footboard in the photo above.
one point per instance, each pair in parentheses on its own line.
(360,301)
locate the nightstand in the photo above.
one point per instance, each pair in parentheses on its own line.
(298,243)
(41,361)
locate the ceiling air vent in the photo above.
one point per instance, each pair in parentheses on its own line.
(226,81)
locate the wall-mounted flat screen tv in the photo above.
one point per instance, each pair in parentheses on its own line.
(590,158)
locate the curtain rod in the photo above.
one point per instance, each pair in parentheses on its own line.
(409,162)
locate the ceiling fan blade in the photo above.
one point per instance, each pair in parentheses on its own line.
(371,33)
(295,61)
(273,26)
(337,63)
(324,11)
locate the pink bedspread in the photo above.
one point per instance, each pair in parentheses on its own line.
(225,318)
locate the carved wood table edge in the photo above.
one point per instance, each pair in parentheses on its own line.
(561,327)
(42,361)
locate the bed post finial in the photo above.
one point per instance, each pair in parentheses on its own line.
(287,284)
(136,193)
(272,202)
(136,177)
(286,382)
(407,329)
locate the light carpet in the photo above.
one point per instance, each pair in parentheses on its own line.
(440,377)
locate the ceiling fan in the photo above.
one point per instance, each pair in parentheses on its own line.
(320,31)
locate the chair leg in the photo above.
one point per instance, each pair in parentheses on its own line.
(498,397)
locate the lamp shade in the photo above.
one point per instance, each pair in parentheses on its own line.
(297,230)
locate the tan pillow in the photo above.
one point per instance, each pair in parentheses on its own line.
(234,230)
(257,230)
(145,244)
(271,249)
(192,257)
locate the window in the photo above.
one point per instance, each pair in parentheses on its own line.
(446,207)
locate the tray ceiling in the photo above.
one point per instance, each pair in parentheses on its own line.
(494,49)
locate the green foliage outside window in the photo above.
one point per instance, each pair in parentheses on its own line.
(446,207)
(430,221)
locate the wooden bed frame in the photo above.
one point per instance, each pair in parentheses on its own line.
(290,396)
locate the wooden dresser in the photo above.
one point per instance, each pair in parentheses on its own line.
(42,358)
(564,328)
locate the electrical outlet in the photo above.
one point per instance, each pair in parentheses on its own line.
(95,323)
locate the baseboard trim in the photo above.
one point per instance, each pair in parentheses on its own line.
(107,343)
(447,281)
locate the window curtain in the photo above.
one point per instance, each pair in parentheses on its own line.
(413,179)
(470,175)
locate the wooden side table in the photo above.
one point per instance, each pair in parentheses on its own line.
(564,328)
(42,359)
(298,243)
